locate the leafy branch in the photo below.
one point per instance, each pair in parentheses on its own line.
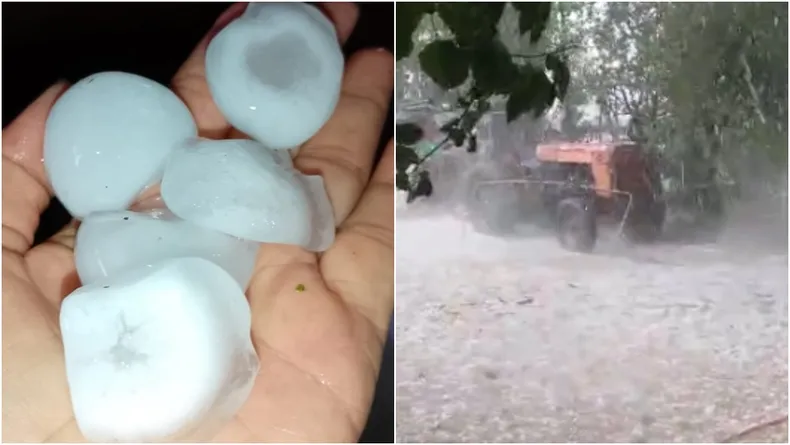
(475,61)
(561,50)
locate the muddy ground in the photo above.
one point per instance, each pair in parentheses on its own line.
(515,340)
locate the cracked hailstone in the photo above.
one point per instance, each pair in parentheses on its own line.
(275,72)
(111,242)
(160,353)
(240,188)
(107,138)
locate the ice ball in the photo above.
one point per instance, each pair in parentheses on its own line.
(159,353)
(107,138)
(238,187)
(110,243)
(276,71)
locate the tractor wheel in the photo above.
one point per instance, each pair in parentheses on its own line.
(576,225)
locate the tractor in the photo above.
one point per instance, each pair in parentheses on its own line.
(572,187)
(569,187)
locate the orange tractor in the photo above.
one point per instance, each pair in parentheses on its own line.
(574,187)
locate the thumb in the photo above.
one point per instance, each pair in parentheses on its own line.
(26,190)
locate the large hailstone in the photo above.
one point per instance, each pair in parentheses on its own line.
(240,188)
(275,72)
(112,242)
(107,138)
(158,354)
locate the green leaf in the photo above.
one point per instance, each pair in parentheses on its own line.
(408,16)
(408,134)
(445,63)
(561,74)
(471,22)
(405,157)
(533,18)
(544,95)
(493,68)
(534,93)
(525,15)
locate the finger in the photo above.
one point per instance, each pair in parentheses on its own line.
(360,265)
(343,150)
(26,189)
(189,82)
(344,15)
(190,85)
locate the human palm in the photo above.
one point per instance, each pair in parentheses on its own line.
(318,321)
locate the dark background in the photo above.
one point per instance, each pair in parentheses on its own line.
(45,42)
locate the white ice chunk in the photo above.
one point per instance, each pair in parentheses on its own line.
(323,218)
(275,72)
(238,187)
(107,138)
(283,157)
(260,11)
(112,242)
(158,354)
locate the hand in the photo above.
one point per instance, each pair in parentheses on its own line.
(320,349)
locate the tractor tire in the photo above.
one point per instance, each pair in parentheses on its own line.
(576,225)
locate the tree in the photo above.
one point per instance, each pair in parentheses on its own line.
(702,84)
(467,51)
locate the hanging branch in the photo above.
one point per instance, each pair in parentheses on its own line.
(560,50)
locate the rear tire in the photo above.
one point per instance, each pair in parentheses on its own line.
(576,225)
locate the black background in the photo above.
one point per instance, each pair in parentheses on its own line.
(45,42)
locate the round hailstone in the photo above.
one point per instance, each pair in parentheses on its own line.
(275,72)
(240,188)
(107,138)
(159,353)
(110,243)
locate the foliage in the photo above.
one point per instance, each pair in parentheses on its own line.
(704,85)
(467,55)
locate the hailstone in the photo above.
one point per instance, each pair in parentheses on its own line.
(107,138)
(275,72)
(239,188)
(110,243)
(159,353)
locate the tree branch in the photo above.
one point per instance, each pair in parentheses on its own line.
(747,76)
(561,49)
(444,141)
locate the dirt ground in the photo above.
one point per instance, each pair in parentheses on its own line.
(515,340)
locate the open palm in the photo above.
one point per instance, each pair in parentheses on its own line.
(320,347)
